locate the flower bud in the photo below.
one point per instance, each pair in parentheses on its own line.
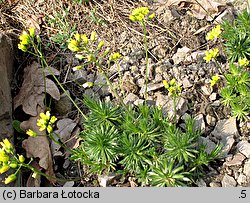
(10,179)
(93,36)
(4,169)
(13,165)
(100,45)
(21,158)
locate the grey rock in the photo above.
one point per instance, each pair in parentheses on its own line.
(215,184)
(101,87)
(216,103)
(180,55)
(236,161)
(186,83)
(228,181)
(140,82)
(201,183)
(210,120)
(244,147)
(130,98)
(105,180)
(207,90)
(63,105)
(80,76)
(242,179)
(213,96)
(225,128)
(246,169)
(6,68)
(69,184)
(200,123)
(210,145)
(158,78)
(151,87)
(139,102)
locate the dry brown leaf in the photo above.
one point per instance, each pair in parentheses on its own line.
(38,147)
(212,7)
(31,93)
(65,127)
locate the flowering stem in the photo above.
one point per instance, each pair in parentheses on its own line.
(57,142)
(146,52)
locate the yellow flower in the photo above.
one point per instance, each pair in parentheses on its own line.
(49,129)
(114,56)
(79,56)
(88,84)
(165,83)
(243,62)
(53,119)
(93,36)
(7,146)
(214,80)
(138,14)
(84,39)
(45,116)
(3,156)
(73,45)
(22,47)
(77,37)
(214,33)
(150,17)
(21,158)
(34,175)
(10,179)
(31,133)
(90,57)
(32,32)
(76,68)
(4,169)
(100,45)
(25,38)
(211,54)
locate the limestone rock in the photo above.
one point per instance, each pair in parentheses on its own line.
(244,147)
(200,123)
(236,161)
(130,98)
(228,181)
(246,169)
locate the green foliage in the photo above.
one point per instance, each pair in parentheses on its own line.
(235,94)
(236,36)
(142,142)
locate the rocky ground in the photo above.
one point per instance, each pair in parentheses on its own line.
(176,50)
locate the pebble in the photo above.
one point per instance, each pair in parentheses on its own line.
(130,98)
(228,181)
(213,96)
(200,123)
(242,179)
(244,147)
(186,83)
(210,120)
(246,169)
(236,161)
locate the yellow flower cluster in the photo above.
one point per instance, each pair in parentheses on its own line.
(46,121)
(114,56)
(243,62)
(211,54)
(214,80)
(78,41)
(173,88)
(214,33)
(25,39)
(7,162)
(138,14)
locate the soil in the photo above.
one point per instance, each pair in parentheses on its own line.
(110,20)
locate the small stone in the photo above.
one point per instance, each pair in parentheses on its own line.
(214,184)
(151,87)
(158,78)
(185,116)
(105,180)
(103,90)
(213,96)
(201,183)
(200,123)
(186,83)
(236,161)
(139,102)
(180,55)
(228,181)
(207,90)
(210,120)
(244,147)
(130,98)
(216,103)
(210,145)
(140,82)
(242,179)
(246,169)
(63,105)
(69,184)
